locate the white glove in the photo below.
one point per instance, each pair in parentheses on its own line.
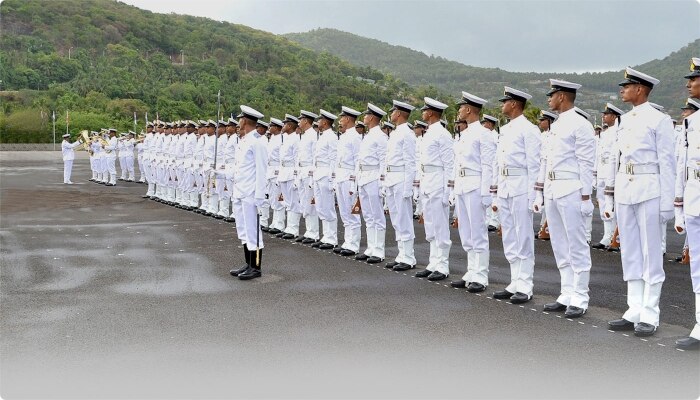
(486,201)
(666,216)
(609,205)
(382,191)
(538,204)
(587,208)
(446,196)
(680,220)
(415,194)
(451,199)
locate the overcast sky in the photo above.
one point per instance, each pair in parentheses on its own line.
(543,36)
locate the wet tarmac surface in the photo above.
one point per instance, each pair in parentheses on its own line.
(106,294)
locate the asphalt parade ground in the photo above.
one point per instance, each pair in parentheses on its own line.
(105,294)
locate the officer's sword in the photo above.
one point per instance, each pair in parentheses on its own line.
(257,252)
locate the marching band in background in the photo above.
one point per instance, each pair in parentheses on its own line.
(266,176)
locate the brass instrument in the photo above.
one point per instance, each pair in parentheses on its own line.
(86,141)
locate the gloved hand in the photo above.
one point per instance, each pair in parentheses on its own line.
(446,196)
(587,208)
(538,204)
(680,220)
(666,216)
(382,191)
(609,206)
(452,198)
(415,194)
(262,203)
(486,201)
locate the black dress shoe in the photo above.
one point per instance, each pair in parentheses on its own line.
(361,257)
(475,287)
(315,245)
(502,295)
(229,219)
(281,234)
(423,274)
(519,298)
(599,246)
(459,284)
(374,260)
(288,236)
(416,217)
(326,246)
(337,249)
(347,253)
(307,240)
(391,264)
(273,231)
(217,216)
(643,329)
(145,197)
(403,267)
(264,229)
(436,276)
(688,343)
(299,239)
(621,325)
(613,250)
(554,307)
(236,272)
(492,228)
(574,312)
(251,273)
(678,259)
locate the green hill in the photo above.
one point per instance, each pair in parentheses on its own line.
(104,60)
(417,68)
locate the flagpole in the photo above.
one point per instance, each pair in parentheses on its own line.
(134,121)
(53,117)
(66,121)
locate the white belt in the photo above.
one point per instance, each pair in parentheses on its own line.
(368,167)
(604,160)
(395,168)
(639,169)
(345,166)
(561,175)
(272,163)
(304,163)
(512,171)
(468,172)
(287,163)
(431,168)
(322,164)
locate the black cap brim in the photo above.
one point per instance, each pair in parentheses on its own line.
(693,74)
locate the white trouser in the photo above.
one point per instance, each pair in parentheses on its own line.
(67,169)
(692,228)
(543,218)
(640,235)
(290,196)
(401,213)
(247,226)
(664,229)
(351,222)
(474,235)
(142,175)
(436,222)
(110,161)
(306,194)
(375,220)
(122,166)
(571,251)
(518,241)
(325,207)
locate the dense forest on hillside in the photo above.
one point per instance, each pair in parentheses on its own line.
(417,68)
(102,61)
